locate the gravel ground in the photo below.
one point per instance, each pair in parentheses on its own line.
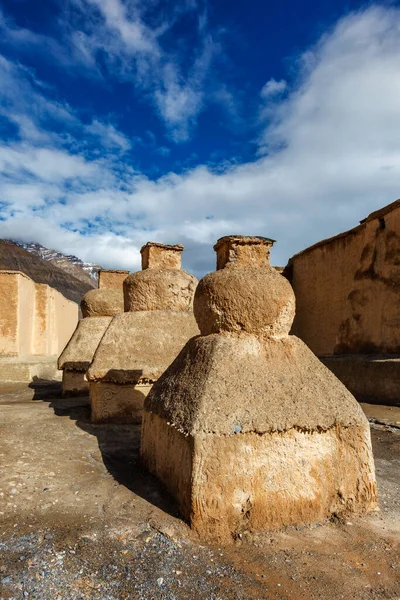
(80,519)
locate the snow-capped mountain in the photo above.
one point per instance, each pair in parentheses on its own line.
(84,271)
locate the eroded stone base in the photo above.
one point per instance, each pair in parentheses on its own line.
(117,403)
(74,383)
(248,481)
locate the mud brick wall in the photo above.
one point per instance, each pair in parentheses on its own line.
(348,289)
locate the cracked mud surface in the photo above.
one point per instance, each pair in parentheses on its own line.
(80,519)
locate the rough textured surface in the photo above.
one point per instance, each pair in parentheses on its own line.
(264,481)
(9,299)
(102,303)
(139,346)
(246,428)
(355,289)
(229,300)
(141,343)
(226,383)
(74,383)
(81,519)
(111,279)
(370,378)
(156,256)
(246,250)
(79,352)
(159,289)
(111,402)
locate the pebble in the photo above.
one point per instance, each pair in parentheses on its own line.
(6,580)
(160,581)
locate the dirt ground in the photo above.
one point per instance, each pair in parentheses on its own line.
(80,519)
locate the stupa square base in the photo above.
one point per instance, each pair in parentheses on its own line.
(117,403)
(74,383)
(227,484)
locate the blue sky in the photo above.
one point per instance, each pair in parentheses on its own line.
(124,121)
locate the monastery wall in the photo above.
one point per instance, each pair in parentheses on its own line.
(348,287)
(9,311)
(35,319)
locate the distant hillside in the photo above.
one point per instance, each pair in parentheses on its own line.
(15,258)
(85,271)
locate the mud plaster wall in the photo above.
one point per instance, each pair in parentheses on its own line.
(64,316)
(26,315)
(264,481)
(112,280)
(155,257)
(347,289)
(41,333)
(8,314)
(35,319)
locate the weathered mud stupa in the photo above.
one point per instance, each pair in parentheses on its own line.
(247,428)
(143,341)
(98,307)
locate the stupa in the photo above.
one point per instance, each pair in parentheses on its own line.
(98,306)
(143,341)
(247,428)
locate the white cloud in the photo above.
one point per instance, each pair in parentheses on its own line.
(273,88)
(331,156)
(109,135)
(135,53)
(116,30)
(135,35)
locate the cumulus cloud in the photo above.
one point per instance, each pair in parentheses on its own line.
(330,155)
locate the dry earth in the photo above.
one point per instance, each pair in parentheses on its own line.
(80,519)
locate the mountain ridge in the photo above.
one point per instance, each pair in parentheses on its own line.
(14,257)
(85,271)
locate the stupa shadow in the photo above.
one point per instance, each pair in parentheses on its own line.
(45,389)
(119,445)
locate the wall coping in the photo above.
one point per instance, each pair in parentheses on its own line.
(377,214)
(11,272)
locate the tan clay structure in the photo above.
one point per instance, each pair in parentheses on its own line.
(143,341)
(35,323)
(351,284)
(246,428)
(102,302)
(98,308)
(112,280)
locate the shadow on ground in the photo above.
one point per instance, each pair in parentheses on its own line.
(119,445)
